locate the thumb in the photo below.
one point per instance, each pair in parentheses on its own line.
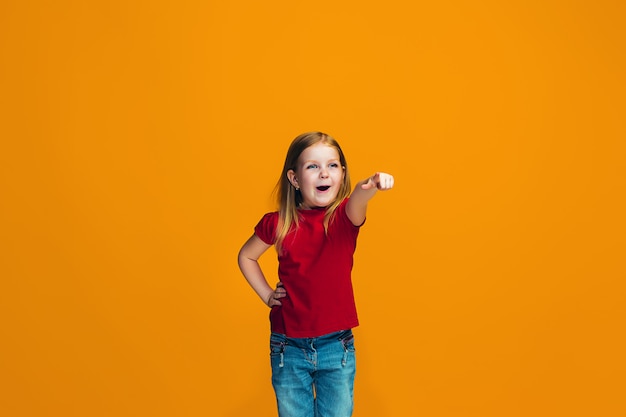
(372,182)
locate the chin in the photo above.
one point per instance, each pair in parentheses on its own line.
(325,203)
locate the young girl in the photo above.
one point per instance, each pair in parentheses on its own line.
(312,308)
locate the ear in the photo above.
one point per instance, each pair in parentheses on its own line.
(291,176)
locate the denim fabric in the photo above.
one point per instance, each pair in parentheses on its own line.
(314,377)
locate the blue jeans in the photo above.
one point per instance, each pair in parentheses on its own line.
(314,377)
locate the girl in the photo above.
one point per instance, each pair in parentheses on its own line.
(312,308)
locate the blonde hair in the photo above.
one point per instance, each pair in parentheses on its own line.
(289,199)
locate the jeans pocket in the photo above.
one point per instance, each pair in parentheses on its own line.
(277,348)
(347,340)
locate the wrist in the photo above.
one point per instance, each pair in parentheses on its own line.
(268,299)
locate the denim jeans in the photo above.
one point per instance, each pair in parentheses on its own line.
(313,377)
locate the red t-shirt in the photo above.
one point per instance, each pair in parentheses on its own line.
(315,270)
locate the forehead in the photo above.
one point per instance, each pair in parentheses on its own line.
(319,151)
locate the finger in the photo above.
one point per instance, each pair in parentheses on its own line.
(387,183)
(275,298)
(370,184)
(376,180)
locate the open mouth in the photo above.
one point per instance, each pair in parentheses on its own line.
(323,187)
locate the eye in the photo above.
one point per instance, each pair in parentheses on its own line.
(311,166)
(334,165)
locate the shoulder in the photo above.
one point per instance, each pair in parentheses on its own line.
(341,208)
(269,219)
(342,216)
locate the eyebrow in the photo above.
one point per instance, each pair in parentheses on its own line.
(308,161)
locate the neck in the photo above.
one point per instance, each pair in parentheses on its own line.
(306,207)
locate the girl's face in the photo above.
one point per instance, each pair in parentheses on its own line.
(319,175)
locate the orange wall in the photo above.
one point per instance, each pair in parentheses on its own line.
(140,144)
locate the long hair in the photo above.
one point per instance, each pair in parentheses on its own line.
(289,199)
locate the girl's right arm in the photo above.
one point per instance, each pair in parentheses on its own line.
(249,255)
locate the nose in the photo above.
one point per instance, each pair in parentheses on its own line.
(324,173)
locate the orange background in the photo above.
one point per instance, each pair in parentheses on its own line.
(141,141)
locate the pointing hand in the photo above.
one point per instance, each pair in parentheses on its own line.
(380,180)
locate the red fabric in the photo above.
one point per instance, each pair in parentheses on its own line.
(315,269)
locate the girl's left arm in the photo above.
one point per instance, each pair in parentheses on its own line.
(356,208)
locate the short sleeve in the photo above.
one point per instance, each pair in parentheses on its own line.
(266,228)
(343,216)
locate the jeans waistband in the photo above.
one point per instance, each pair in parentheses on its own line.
(312,341)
